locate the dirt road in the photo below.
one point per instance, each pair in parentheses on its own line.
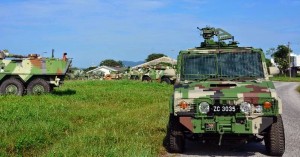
(291,117)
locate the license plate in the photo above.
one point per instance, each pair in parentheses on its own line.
(224,108)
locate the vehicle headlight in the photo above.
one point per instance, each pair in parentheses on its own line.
(267,105)
(258,109)
(245,107)
(204,107)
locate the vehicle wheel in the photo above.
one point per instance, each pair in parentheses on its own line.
(166,80)
(175,138)
(38,86)
(12,86)
(51,88)
(146,78)
(274,139)
(136,78)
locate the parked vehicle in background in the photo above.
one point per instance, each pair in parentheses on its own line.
(161,73)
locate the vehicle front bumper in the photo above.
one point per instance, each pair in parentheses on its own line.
(226,124)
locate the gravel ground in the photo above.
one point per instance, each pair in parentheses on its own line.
(291,116)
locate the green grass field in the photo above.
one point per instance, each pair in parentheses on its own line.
(87,118)
(285,78)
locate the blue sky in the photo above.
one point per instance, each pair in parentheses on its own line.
(93,30)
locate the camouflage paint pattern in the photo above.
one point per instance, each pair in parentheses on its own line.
(136,74)
(26,68)
(158,74)
(153,73)
(254,91)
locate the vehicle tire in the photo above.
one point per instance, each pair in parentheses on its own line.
(146,78)
(12,86)
(51,88)
(134,77)
(38,86)
(274,139)
(175,138)
(166,80)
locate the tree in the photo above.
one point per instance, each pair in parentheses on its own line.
(154,56)
(89,68)
(270,51)
(268,63)
(281,57)
(111,63)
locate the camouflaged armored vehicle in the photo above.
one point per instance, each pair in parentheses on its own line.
(224,93)
(31,74)
(160,73)
(135,74)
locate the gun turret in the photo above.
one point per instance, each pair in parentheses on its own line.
(208,34)
(16,56)
(5,54)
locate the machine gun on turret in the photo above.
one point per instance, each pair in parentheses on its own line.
(6,54)
(208,34)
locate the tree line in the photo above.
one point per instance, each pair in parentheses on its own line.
(114,63)
(279,54)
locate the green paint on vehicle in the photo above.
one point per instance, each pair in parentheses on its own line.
(23,71)
(222,90)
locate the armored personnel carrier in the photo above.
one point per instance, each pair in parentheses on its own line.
(158,73)
(31,74)
(223,93)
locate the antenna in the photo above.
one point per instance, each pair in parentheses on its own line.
(52,54)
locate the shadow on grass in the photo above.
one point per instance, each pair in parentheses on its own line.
(64,92)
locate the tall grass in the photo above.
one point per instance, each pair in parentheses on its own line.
(87,118)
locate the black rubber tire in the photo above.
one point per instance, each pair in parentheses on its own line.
(146,78)
(12,83)
(38,86)
(165,80)
(275,139)
(175,137)
(51,88)
(134,77)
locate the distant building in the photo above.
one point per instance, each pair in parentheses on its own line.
(294,66)
(157,61)
(105,70)
(295,60)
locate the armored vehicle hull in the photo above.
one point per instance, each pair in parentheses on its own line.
(31,74)
(160,75)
